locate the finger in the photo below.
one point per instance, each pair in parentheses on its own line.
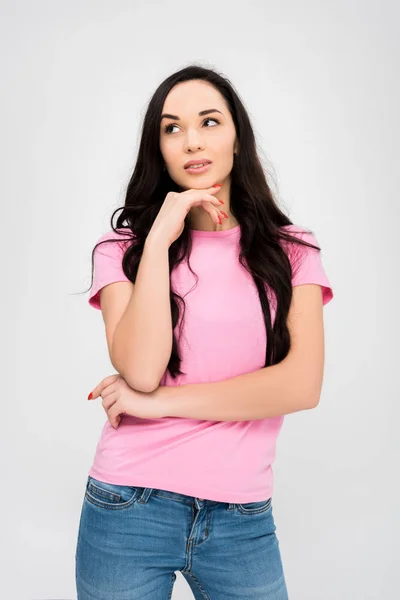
(207,198)
(213,200)
(109,400)
(110,389)
(99,390)
(214,189)
(95,393)
(212,211)
(114,414)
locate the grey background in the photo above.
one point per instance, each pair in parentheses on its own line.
(320,80)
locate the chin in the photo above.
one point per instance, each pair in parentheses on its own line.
(199,183)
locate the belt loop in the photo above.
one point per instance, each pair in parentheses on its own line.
(232,505)
(145,495)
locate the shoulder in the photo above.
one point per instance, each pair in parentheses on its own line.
(297,249)
(108,258)
(299,232)
(114,241)
(306,260)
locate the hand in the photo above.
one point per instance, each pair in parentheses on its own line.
(120,399)
(170,221)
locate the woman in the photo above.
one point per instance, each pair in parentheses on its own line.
(182,477)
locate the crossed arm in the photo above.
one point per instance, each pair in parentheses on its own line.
(292,385)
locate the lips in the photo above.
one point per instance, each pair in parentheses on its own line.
(190,163)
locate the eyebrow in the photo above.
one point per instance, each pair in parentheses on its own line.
(201,113)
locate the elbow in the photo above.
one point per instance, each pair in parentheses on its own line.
(140,384)
(311,401)
(136,382)
(314,395)
(311,392)
(146,380)
(145,386)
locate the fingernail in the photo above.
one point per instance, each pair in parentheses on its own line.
(90,396)
(220,201)
(224,213)
(220,220)
(218,185)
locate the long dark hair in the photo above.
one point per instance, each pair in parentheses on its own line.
(251,203)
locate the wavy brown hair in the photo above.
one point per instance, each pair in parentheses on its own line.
(251,202)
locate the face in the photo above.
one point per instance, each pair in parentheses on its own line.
(196,137)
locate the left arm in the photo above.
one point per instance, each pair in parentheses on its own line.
(292,385)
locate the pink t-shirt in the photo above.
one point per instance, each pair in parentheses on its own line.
(223,336)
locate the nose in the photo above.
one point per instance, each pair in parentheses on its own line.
(193,142)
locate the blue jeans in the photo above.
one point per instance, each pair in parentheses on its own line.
(132,540)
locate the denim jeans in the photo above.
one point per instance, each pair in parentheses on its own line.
(133,540)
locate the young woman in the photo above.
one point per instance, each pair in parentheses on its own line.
(212,303)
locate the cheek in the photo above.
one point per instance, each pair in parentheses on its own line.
(171,153)
(225,154)
(224,147)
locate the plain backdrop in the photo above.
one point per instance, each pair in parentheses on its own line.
(320,81)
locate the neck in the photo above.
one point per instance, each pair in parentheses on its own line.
(204,223)
(201,220)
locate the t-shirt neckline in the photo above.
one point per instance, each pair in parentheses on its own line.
(221,233)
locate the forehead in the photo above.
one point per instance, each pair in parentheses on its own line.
(192,97)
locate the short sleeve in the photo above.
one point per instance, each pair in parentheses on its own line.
(307,264)
(107,265)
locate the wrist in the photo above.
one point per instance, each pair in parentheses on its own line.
(155,242)
(167,398)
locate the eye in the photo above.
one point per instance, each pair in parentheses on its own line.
(210,119)
(168,130)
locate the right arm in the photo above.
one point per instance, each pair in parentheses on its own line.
(138,317)
(138,320)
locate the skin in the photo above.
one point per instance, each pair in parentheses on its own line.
(292,385)
(190,137)
(194,136)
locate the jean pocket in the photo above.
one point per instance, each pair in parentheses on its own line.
(254,508)
(110,495)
